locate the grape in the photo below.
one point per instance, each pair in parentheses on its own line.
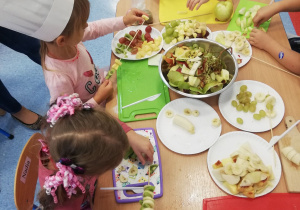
(173,23)
(168,26)
(248,94)
(175,34)
(234,103)
(262,113)
(239,120)
(243,88)
(246,108)
(240,107)
(252,108)
(168,39)
(257,116)
(253,102)
(164,35)
(269,107)
(169,31)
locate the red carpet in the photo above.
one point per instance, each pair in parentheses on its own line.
(295,18)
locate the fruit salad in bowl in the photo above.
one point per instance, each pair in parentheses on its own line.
(198,68)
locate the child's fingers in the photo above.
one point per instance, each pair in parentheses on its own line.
(141,158)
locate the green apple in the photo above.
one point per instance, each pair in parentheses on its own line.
(223,10)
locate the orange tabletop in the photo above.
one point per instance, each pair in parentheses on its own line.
(186,180)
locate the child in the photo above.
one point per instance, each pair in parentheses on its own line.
(68,67)
(81,144)
(192,3)
(286,57)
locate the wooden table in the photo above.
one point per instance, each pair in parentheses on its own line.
(197,184)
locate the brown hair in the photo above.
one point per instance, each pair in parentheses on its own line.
(91,139)
(79,17)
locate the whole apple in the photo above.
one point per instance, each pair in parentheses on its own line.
(223,10)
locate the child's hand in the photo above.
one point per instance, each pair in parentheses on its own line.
(104,91)
(192,3)
(140,145)
(259,38)
(262,15)
(133,15)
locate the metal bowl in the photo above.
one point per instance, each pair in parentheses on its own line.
(214,47)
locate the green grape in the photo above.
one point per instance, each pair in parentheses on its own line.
(262,113)
(168,26)
(257,116)
(175,34)
(248,94)
(252,108)
(234,103)
(239,120)
(243,88)
(253,102)
(269,106)
(173,23)
(240,107)
(168,39)
(239,96)
(164,35)
(169,31)
(246,108)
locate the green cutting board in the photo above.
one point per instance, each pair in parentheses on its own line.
(248,4)
(136,80)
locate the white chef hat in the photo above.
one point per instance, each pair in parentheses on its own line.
(42,19)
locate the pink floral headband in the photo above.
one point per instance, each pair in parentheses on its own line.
(66,105)
(66,177)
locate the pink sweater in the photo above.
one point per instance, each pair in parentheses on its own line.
(79,74)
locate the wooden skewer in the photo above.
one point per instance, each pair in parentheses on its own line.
(149,175)
(276,67)
(179,19)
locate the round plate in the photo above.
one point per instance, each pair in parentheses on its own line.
(250,124)
(245,59)
(167,46)
(230,142)
(180,140)
(154,34)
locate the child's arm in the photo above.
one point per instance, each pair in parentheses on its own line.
(102,27)
(290,60)
(104,91)
(139,144)
(265,13)
(58,84)
(192,3)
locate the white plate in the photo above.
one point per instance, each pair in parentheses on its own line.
(250,124)
(154,34)
(231,142)
(180,140)
(167,46)
(245,59)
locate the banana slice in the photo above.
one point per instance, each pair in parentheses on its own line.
(245,51)
(286,150)
(296,159)
(184,123)
(239,45)
(187,111)
(271,113)
(123,179)
(195,113)
(169,114)
(228,169)
(270,100)
(216,122)
(237,33)
(230,36)
(260,97)
(291,154)
(133,171)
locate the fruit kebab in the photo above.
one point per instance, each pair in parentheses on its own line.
(118,63)
(147,203)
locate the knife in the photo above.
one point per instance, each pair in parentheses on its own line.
(150,98)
